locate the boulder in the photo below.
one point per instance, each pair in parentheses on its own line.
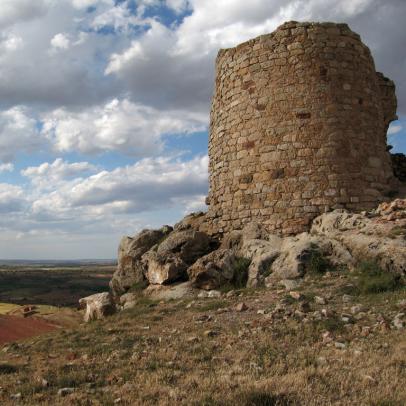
(235,239)
(130,269)
(188,245)
(191,221)
(163,268)
(295,253)
(213,270)
(175,291)
(367,238)
(262,254)
(98,306)
(128,300)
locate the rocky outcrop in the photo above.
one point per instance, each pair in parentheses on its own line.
(130,269)
(170,292)
(213,270)
(188,245)
(97,306)
(376,236)
(185,262)
(163,268)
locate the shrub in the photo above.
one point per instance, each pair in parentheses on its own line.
(372,279)
(241,273)
(318,264)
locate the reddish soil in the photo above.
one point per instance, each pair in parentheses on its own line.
(14,328)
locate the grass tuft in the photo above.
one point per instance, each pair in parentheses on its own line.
(241,273)
(318,264)
(372,279)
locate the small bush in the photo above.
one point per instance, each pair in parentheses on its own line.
(241,273)
(372,279)
(318,264)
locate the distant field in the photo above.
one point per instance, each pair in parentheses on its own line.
(51,284)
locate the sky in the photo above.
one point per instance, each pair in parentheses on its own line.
(104,109)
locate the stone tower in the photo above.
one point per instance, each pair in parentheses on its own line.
(298,127)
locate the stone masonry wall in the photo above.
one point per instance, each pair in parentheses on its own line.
(298,127)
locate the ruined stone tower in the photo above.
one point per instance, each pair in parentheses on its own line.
(298,127)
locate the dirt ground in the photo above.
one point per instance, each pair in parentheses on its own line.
(14,328)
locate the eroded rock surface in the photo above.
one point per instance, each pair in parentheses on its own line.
(213,270)
(97,306)
(130,270)
(376,238)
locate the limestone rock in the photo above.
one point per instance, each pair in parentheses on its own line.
(188,245)
(163,268)
(175,291)
(213,270)
(291,263)
(98,306)
(366,238)
(232,240)
(130,269)
(191,221)
(128,300)
(262,254)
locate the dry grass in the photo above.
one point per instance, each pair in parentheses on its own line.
(209,354)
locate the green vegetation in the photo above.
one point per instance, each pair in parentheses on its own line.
(241,273)
(372,279)
(318,264)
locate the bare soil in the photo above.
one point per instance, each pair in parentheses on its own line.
(14,328)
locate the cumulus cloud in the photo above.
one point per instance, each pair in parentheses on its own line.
(117,126)
(60,41)
(148,184)
(18,133)
(48,175)
(80,4)
(11,198)
(175,67)
(6,167)
(10,42)
(394,129)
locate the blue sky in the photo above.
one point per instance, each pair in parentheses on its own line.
(104,109)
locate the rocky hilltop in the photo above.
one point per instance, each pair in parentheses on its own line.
(300,174)
(183,261)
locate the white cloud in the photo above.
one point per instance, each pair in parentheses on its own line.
(6,167)
(117,126)
(80,4)
(11,198)
(178,5)
(48,175)
(18,133)
(60,41)
(146,185)
(118,17)
(88,214)
(10,42)
(394,129)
